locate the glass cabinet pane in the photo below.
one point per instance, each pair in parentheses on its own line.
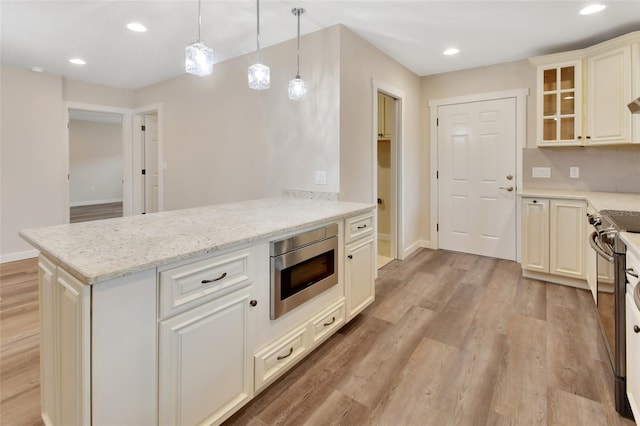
(567,78)
(549,129)
(550,77)
(567,127)
(567,103)
(549,104)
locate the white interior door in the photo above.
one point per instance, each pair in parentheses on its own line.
(477,178)
(150,156)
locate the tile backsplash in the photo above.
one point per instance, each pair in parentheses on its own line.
(601,168)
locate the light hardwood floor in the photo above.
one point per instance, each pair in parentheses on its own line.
(451,339)
(95,212)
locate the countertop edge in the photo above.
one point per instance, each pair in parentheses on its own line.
(76,272)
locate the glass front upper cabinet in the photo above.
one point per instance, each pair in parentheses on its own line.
(559,97)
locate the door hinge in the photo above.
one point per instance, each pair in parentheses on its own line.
(437,122)
(144,171)
(437,227)
(143,128)
(437,174)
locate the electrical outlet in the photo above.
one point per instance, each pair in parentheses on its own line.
(541,172)
(574,172)
(321,177)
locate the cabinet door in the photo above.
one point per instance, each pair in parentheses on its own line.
(359,275)
(535,234)
(388,113)
(567,238)
(206,361)
(560,104)
(608,90)
(633,355)
(47,283)
(381,115)
(72,356)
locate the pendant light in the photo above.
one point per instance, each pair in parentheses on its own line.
(297,86)
(259,75)
(198,57)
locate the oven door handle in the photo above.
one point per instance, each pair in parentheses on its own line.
(593,242)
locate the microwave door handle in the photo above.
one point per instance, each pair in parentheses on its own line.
(594,245)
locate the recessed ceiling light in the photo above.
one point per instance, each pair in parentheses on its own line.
(593,8)
(77,61)
(37,69)
(451,51)
(137,27)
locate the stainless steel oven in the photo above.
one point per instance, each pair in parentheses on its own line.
(611,295)
(302,267)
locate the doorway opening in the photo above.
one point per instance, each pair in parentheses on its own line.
(387,112)
(96,165)
(148,160)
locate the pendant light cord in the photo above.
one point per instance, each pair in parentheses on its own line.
(258,27)
(298,12)
(199,21)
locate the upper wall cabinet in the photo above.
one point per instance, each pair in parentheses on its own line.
(582,95)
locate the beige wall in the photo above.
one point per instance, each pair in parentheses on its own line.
(87,93)
(360,64)
(32,156)
(224,142)
(95,162)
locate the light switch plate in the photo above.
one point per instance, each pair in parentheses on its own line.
(321,177)
(574,172)
(541,172)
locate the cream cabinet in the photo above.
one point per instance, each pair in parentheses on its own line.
(206,359)
(567,238)
(65,347)
(554,237)
(582,95)
(535,234)
(360,260)
(633,354)
(207,335)
(385,112)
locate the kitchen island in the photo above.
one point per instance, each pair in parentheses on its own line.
(133,333)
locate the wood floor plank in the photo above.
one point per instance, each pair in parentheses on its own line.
(451,339)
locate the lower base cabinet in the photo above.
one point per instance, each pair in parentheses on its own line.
(205,360)
(633,355)
(359,275)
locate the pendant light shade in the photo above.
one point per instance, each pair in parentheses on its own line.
(297,86)
(198,57)
(259,75)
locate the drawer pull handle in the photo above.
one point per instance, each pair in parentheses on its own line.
(253,303)
(631,272)
(281,357)
(362,226)
(636,329)
(333,319)
(215,279)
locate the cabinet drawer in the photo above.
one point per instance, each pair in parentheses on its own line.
(325,324)
(192,284)
(358,227)
(278,357)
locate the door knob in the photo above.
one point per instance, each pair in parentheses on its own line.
(509,177)
(507,188)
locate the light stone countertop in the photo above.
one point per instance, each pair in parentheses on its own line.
(599,201)
(112,248)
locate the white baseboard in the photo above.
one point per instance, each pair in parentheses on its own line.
(412,248)
(427,244)
(384,237)
(19,255)
(94,202)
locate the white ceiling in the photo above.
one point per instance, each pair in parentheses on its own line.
(48,33)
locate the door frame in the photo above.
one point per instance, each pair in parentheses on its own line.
(127,157)
(397,138)
(138,140)
(520,96)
